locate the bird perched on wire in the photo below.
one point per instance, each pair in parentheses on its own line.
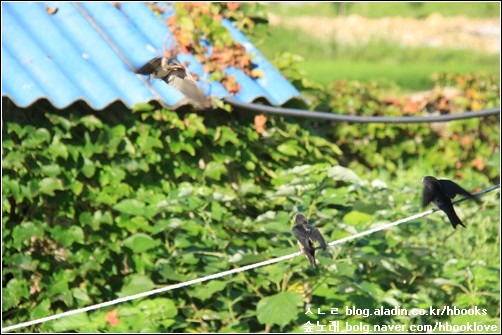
(176,75)
(440,192)
(306,236)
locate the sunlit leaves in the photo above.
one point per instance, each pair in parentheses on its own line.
(214,170)
(77,321)
(195,25)
(130,206)
(356,218)
(139,243)
(92,209)
(17,290)
(207,290)
(278,309)
(136,283)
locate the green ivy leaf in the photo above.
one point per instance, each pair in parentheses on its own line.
(59,120)
(91,122)
(142,107)
(288,148)
(356,217)
(17,290)
(22,233)
(214,170)
(88,168)
(51,170)
(70,323)
(130,206)
(206,290)
(80,293)
(136,284)
(13,160)
(58,149)
(42,309)
(159,308)
(279,309)
(140,243)
(49,185)
(343,174)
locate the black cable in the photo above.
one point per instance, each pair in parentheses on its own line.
(356,118)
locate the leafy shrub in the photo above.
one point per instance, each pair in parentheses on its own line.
(93,210)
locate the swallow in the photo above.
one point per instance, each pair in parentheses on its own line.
(306,236)
(171,71)
(440,192)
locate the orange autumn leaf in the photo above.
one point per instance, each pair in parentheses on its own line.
(51,11)
(245,61)
(259,123)
(411,107)
(478,164)
(393,101)
(171,21)
(466,141)
(255,73)
(231,84)
(194,4)
(111,318)
(233,5)
(155,7)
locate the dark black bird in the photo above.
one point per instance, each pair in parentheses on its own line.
(306,236)
(174,73)
(440,192)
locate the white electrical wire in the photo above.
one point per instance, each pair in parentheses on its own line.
(229,272)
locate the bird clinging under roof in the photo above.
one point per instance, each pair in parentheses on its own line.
(176,75)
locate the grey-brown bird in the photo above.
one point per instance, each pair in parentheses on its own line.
(440,192)
(306,236)
(176,75)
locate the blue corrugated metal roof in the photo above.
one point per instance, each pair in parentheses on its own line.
(81,53)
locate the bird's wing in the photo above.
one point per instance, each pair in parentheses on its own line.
(149,67)
(302,238)
(316,236)
(451,189)
(427,195)
(188,87)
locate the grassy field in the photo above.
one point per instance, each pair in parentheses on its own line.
(378,10)
(410,68)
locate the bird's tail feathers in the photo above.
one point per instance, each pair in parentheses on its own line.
(454,219)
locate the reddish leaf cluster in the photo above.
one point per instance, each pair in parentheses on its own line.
(155,7)
(259,123)
(189,26)
(233,5)
(478,164)
(432,100)
(112,318)
(230,83)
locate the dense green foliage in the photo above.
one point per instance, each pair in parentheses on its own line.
(94,209)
